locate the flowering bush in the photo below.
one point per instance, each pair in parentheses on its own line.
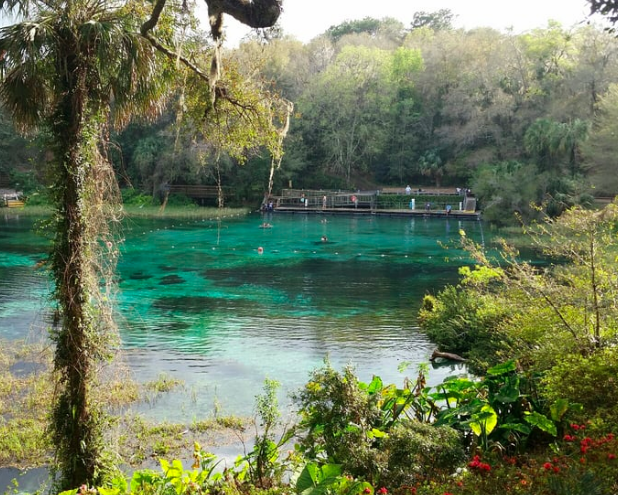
(579,464)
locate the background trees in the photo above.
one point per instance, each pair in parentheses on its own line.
(379,103)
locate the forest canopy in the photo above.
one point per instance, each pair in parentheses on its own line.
(519,118)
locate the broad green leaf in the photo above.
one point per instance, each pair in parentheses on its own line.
(108,491)
(558,409)
(541,422)
(520,427)
(375,386)
(509,393)
(142,478)
(330,471)
(375,433)
(503,368)
(307,478)
(485,421)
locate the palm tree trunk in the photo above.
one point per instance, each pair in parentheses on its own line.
(75,431)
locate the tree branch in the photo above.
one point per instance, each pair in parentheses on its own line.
(253,13)
(154,18)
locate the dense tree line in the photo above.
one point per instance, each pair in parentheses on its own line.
(520,118)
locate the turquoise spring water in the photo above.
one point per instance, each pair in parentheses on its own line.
(198,300)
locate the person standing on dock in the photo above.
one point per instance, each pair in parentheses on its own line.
(408,190)
(324,199)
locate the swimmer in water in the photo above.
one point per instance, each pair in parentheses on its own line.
(265,225)
(324,238)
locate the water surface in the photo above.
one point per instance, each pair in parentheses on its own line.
(199,300)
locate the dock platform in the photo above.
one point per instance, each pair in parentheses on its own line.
(458,214)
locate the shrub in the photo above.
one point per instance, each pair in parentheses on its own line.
(588,380)
(420,451)
(135,197)
(462,321)
(336,420)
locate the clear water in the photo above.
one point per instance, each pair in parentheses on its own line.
(198,301)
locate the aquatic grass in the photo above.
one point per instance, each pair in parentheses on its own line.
(139,439)
(134,211)
(184,212)
(25,394)
(163,383)
(30,210)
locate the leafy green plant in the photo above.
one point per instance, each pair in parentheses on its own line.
(371,430)
(501,411)
(329,479)
(133,197)
(263,462)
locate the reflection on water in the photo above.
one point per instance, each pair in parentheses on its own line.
(201,301)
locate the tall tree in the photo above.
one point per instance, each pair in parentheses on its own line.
(349,102)
(440,20)
(601,149)
(72,68)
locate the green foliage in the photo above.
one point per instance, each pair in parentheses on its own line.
(600,150)
(133,197)
(459,319)
(505,191)
(368,25)
(25,182)
(420,451)
(437,21)
(502,410)
(337,418)
(586,379)
(263,462)
(181,200)
(328,479)
(367,429)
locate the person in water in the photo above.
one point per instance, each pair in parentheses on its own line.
(324,238)
(265,225)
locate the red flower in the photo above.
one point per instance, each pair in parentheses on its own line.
(556,469)
(382,491)
(367,490)
(575,427)
(611,456)
(547,466)
(569,438)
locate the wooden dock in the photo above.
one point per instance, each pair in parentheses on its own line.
(368,203)
(458,214)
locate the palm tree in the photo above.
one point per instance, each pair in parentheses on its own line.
(542,141)
(573,135)
(64,64)
(430,165)
(71,68)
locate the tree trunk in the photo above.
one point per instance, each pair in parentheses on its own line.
(76,431)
